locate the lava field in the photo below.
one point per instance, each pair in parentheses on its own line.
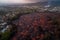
(37,26)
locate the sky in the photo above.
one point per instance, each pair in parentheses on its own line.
(20,1)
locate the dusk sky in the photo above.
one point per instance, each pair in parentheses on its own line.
(20,1)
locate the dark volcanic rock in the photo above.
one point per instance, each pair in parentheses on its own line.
(37,26)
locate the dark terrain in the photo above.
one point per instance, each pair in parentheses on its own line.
(29,23)
(38,26)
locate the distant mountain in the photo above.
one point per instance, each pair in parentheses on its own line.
(37,4)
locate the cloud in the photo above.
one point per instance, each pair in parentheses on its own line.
(20,1)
